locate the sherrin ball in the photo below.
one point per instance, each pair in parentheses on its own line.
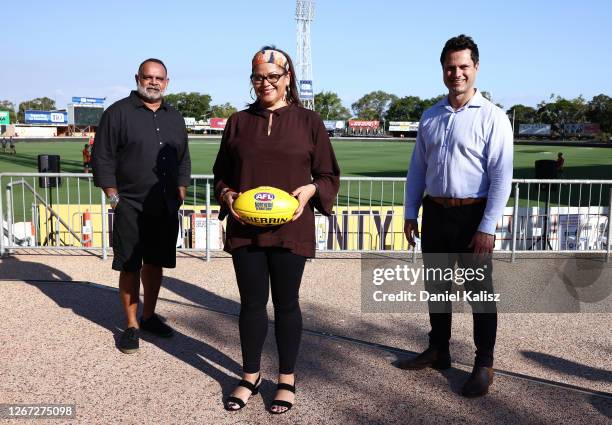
(265,206)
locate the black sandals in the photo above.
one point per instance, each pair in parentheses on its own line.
(238,401)
(282,403)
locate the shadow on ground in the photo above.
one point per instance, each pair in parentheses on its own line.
(101,306)
(351,383)
(568,367)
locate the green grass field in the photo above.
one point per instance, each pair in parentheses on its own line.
(356,158)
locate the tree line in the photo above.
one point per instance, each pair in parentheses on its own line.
(196,105)
(378,106)
(382,106)
(559,111)
(18,115)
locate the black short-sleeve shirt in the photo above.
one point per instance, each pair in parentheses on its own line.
(143,153)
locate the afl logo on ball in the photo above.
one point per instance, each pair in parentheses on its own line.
(264,197)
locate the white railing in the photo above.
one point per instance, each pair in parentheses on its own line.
(561,216)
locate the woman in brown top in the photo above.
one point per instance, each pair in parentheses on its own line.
(275,142)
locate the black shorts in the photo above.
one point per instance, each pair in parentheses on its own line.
(143,238)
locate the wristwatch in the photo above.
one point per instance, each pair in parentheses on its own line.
(113,199)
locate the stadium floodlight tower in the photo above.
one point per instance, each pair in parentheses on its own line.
(304,15)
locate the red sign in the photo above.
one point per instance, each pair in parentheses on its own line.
(363,124)
(592,128)
(218,123)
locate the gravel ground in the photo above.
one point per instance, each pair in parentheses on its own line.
(58,346)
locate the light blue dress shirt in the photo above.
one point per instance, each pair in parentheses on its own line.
(465,153)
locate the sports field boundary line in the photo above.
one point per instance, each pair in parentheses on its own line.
(348,339)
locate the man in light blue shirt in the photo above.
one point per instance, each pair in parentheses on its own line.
(462,161)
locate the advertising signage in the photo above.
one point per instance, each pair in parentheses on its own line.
(331,125)
(217,123)
(89,100)
(404,126)
(363,124)
(577,129)
(5,118)
(537,129)
(46,117)
(305,87)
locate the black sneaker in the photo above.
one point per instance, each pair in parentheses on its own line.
(154,325)
(128,343)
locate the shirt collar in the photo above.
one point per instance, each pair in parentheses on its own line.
(256,109)
(476,101)
(138,103)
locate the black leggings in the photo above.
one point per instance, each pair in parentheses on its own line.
(258,269)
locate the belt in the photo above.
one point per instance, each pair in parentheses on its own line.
(456,202)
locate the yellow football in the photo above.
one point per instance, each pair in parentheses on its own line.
(265,206)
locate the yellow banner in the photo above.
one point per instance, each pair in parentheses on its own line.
(84,222)
(351,228)
(53,232)
(362,228)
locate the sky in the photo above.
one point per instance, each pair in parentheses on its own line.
(528,49)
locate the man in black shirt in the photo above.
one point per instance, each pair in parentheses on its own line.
(141,160)
(12,149)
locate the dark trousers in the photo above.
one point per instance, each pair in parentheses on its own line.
(258,270)
(446,234)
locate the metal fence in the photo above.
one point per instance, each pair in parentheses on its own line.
(64,211)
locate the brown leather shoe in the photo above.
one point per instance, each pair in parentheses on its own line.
(432,357)
(478,383)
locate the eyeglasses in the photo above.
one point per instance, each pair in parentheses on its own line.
(271,78)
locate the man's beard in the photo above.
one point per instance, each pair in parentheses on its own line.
(149,94)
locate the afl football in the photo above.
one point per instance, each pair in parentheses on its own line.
(265,206)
